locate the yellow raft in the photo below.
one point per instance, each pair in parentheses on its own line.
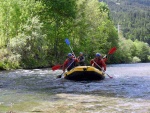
(81,73)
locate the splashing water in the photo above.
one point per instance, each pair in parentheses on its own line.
(39,90)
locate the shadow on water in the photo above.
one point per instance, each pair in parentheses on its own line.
(42,85)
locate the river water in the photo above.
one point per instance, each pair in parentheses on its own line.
(38,90)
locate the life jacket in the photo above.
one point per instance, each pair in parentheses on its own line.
(105,59)
(70,63)
(100,62)
(81,58)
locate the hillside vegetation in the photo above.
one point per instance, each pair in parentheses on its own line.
(33,33)
(133,16)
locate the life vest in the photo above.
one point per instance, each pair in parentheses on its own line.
(81,58)
(99,62)
(70,63)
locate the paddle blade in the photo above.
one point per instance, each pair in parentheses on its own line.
(56,67)
(67,41)
(59,76)
(112,50)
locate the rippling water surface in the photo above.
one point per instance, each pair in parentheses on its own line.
(38,90)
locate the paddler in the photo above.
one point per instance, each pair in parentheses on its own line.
(81,59)
(98,62)
(70,62)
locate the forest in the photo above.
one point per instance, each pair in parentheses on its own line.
(32,33)
(133,17)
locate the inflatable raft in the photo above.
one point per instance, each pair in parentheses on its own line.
(81,73)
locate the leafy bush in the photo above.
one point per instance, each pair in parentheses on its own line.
(13,61)
(8,60)
(142,50)
(136,59)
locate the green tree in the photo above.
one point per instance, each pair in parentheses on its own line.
(142,50)
(14,14)
(57,17)
(30,44)
(95,32)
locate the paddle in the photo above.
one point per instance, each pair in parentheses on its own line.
(59,66)
(111,51)
(102,70)
(59,76)
(56,67)
(68,43)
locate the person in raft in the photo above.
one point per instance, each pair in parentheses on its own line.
(70,62)
(98,62)
(81,59)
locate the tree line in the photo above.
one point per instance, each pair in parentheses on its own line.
(32,33)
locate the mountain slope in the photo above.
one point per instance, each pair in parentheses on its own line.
(133,16)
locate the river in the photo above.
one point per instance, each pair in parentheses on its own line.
(38,90)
